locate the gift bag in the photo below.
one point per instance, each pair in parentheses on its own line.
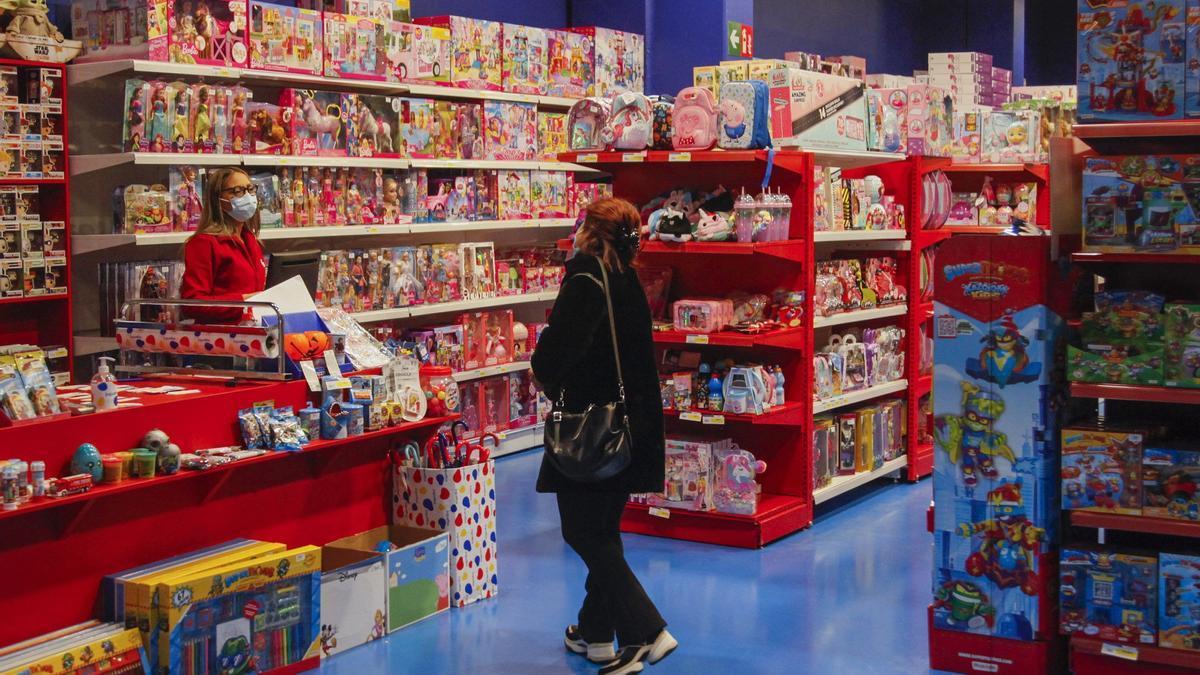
(462,503)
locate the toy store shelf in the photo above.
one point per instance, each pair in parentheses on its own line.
(26,299)
(451,307)
(1126,523)
(1039,171)
(518,440)
(499,164)
(790,413)
(436,91)
(478,225)
(1136,392)
(657,156)
(926,238)
(790,249)
(1134,257)
(354,162)
(491,371)
(86,345)
(859,396)
(859,315)
(856,236)
(976,229)
(33,181)
(81,164)
(844,159)
(784,338)
(840,485)
(1141,653)
(1140,137)
(131,485)
(924,385)
(777,516)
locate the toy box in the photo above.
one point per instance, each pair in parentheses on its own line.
(966,142)
(209,33)
(1110,596)
(1101,470)
(413,578)
(824,451)
(548,194)
(414,137)
(1120,213)
(619,60)
(444,129)
(510,130)
(316,122)
(476,48)
(186,206)
(1178,601)
(887,120)
(688,482)
(353,598)
(1192,77)
(1130,60)
(286,38)
(418,54)
(797,96)
(266,129)
(551,134)
(354,47)
(916,119)
(1116,361)
(1182,345)
(11,278)
(514,202)
(569,64)
(1169,480)
(369,125)
(525,58)
(120,29)
(1009,137)
(997,326)
(705,77)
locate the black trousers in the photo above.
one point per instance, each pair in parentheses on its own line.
(616,601)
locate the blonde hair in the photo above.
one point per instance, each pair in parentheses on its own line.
(609,232)
(213,220)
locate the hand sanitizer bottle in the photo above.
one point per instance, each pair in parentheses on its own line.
(104,387)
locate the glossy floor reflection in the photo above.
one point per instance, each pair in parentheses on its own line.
(846,596)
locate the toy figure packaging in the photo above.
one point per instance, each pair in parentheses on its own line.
(965,148)
(1010,137)
(1178,601)
(185,198)
(1169,482)
(569,64)
(444,130)
(266,132)
(1141,202)
(1101,470)
(552,134)
(315,121)
(286,38)
(370,121)
(112,29)
(688,482)
(525,59)
(514,195)
(202,120)
(469,130)
(997,324)
(510,130)
(418,54)
(1192,78)
(354,47)
(548,194)
(209,33)
(476,48)
(619,60)
(797,95)
(1110,596)
(413,136)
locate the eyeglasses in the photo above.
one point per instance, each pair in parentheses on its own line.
(241,190)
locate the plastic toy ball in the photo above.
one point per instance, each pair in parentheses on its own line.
(155,440)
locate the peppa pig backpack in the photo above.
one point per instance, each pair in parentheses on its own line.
(694,121)
(630,121)
(661,108)
(744,120)
(587,125)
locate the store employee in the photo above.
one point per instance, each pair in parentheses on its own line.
(223,260)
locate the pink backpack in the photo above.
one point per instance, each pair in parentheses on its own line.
(694,120)
(587,125)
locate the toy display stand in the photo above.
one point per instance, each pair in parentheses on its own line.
(969,178)
(782,436)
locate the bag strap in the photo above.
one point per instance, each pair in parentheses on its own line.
(612,327)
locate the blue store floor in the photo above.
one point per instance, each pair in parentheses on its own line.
(846,596)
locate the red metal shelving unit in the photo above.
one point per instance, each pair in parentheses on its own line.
(785,338)
(792,250)
(1094,257)
(1125,523)
(1136,392)
(1091,655)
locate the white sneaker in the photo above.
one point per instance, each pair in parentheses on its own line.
(632,658)
(662,647)
(596,652)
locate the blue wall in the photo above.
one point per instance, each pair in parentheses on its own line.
(541,13)
(883,31)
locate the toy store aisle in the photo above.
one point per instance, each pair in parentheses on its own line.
(846,597)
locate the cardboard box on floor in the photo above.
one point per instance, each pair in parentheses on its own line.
(367,589)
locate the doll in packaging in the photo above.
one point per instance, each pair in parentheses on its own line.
(185,198)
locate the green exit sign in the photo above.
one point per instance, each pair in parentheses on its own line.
(739,40)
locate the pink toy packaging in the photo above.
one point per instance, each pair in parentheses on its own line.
(930,121)
(514,195)
(444,130)
(476,60)
(570,65)
(371,120)
(522,400)
(266,133)
(551,134)
(221,114)
(510,130)
(120,29)
(418,54)
(1010,136)
(688,481)
(315,122)
(239,120)
(498,341)
(619,60)
(817,110)
(493,405)
(487,195)
(202,122)
(525,59)
(469,122)
(185,198)
(734,487)
(209,33)
(413,137)
(354,47)
(286,38)
(548,193)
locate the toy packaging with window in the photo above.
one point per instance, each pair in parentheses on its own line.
(817,110)
(369,121)
(207,33)
(1192,77)
(470,130)
(286,38)
(510,130)
(1101,470)
(548,194)
(266,129)
(515,195)
(1130,60)
(619,60)
(1010,137)
(1110,596)
(569,64)
(413,135)
(1178,601)
(476,51)
(525,56)
(996,464)
(417,53)
(552,134)
(1170,476)
(354,47)
(1142,203)
(689,474)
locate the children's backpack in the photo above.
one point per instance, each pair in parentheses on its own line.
(587,125)
(661,108)
(694,121)
(744,120)
(630,121)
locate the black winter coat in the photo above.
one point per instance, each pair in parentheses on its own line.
(574,354)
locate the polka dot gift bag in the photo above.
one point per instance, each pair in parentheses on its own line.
(460,501)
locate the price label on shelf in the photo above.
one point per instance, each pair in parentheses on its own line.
(227,72)
(584,159)
(714,419)
(696,339)
(691,416)
(633,157)
(679,157)
(660,512)
(1120,651)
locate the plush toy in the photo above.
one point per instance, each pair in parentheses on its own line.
(713,227)
(668,224)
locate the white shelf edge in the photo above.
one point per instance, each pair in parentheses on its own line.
(518,440)
(860,315)
(302,160)
(840,485)
(452,307)
(87,163)
(491,371)
(824,236)
(845,159)
(860,396)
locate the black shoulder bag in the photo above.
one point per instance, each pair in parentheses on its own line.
(592,445)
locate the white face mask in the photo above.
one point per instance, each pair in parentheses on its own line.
(242,208)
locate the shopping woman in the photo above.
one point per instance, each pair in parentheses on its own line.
(575,364)
(223,260)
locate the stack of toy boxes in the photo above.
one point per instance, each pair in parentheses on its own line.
(965,76)
(526,58)
(1110,596)
(85,647)
(1122,341)
(916,119)
(1001,86)
(181,31)
(1141,203)
(476,51)
(996,438)
(570,65)
(619,60)
(1178,601)
(1130,60)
